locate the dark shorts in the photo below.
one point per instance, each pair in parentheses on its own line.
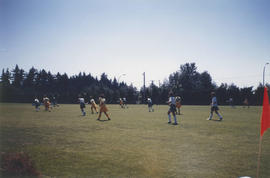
(214,108)
(150,104)
(172,108)
(82,105)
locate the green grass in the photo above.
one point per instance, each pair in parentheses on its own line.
(136,143)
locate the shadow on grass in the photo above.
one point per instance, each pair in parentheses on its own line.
(216,120)
(102,120)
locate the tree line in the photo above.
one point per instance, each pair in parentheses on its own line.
(20,86)
(192,86)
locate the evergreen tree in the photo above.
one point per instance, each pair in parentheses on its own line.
(5,78)
(30,78)
(18,77)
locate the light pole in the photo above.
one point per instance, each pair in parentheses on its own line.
(264,71)
(144,99)
(118,80)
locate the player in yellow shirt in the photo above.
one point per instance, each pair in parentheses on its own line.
(47,103)
(178,104)
(245,102)
(121,103)
(93,106)
(102,107)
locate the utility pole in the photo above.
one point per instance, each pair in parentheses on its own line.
(264,72)
(143,87)
(151,88)
(118,80)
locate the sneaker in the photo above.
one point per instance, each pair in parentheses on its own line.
(175,123)
(109,119)
(169,122)
(98,119)
(220,119)
(208,119)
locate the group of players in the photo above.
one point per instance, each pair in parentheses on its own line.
(94,107)
(174,103)
(177,104)
(46,102)
(123,103)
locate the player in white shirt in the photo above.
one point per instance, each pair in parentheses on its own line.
(82,105)
(150,105)
(125,103)
(37,104)
(172,109)
(214,107)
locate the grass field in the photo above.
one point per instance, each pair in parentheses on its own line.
(136,143)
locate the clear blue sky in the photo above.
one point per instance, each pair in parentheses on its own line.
(228,38)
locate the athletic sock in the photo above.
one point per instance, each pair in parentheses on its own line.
(169,116)
(174,117)
(219,116)
(211,115)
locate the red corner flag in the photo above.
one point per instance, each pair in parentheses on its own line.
(265,120)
